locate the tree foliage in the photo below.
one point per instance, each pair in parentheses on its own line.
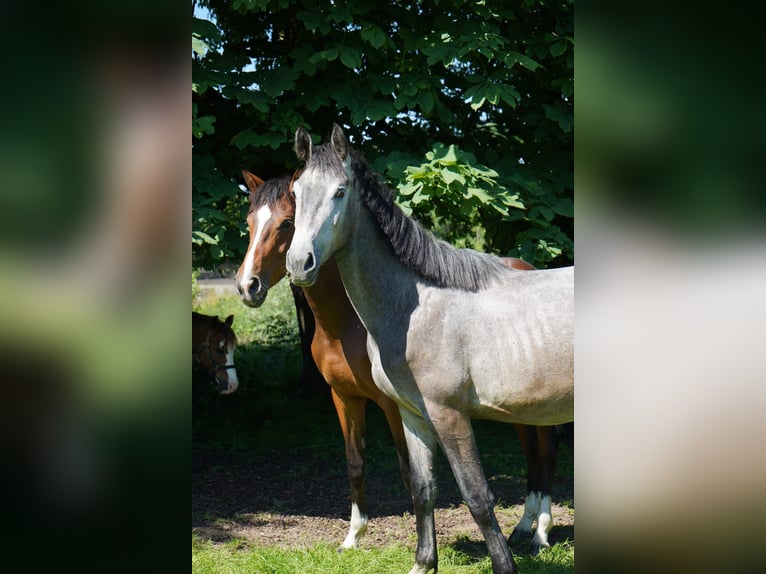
(465,107)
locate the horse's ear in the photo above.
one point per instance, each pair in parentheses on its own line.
(339,142)
(229,320)
(302,144)
(252,181)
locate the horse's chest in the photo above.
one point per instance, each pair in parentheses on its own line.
(386,370)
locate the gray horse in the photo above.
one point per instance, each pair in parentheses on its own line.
(453,333)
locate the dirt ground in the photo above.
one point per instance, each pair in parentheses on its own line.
(294,502)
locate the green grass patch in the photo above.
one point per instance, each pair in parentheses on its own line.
(238,556)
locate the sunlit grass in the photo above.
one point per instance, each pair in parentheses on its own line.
(237,556)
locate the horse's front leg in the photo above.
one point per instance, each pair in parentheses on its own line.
(351,414)
(394,420)
(422,445)
(455,434)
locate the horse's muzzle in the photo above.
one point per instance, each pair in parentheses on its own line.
(230,383)
(254,292)
(303,270)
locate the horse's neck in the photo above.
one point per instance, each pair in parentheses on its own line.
(328,301)
(381,289)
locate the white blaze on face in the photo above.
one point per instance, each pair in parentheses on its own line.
(262,217)
(231,372)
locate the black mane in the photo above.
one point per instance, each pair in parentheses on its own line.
(269,193)
(416,247)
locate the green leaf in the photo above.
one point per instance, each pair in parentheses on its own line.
(560,116)
(409,89)
(426,101)
(203,237)
(351,58)
(525,61)
(279,82)
(450,155)
(547,212)
(510,95)
(479,193)
(374,36)
(199,46)
(558,48)
(205,29)
(328,55)
(203,125)
(408,188)
(311,20)
(475,105)
(564,207)
(450,176)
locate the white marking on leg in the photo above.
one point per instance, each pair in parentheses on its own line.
(544,522)
(262,217)
(531,507)
(231,372)
(357,529)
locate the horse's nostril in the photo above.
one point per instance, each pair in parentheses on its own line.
(254,285)
(309,262)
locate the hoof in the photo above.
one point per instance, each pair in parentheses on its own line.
(518,535)
(536,547)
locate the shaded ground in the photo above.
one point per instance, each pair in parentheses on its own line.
(298,499)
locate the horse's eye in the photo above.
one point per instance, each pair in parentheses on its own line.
(286,224)
(341,191)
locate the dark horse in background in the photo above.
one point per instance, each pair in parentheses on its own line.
(213,345)
(338,346)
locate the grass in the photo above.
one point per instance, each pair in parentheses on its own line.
(273,412)
(237,556)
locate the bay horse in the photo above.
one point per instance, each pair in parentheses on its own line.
(452,334)
(272,207)
(338,344)
(213,345)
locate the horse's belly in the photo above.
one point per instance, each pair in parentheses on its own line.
(536,391)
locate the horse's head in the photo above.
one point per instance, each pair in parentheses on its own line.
(323,202)
(215,351)
(270,221)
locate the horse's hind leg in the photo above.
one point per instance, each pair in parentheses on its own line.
(455,434)
(351,414)
(540,446)
(547,449)
(422,444)
(529,446)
